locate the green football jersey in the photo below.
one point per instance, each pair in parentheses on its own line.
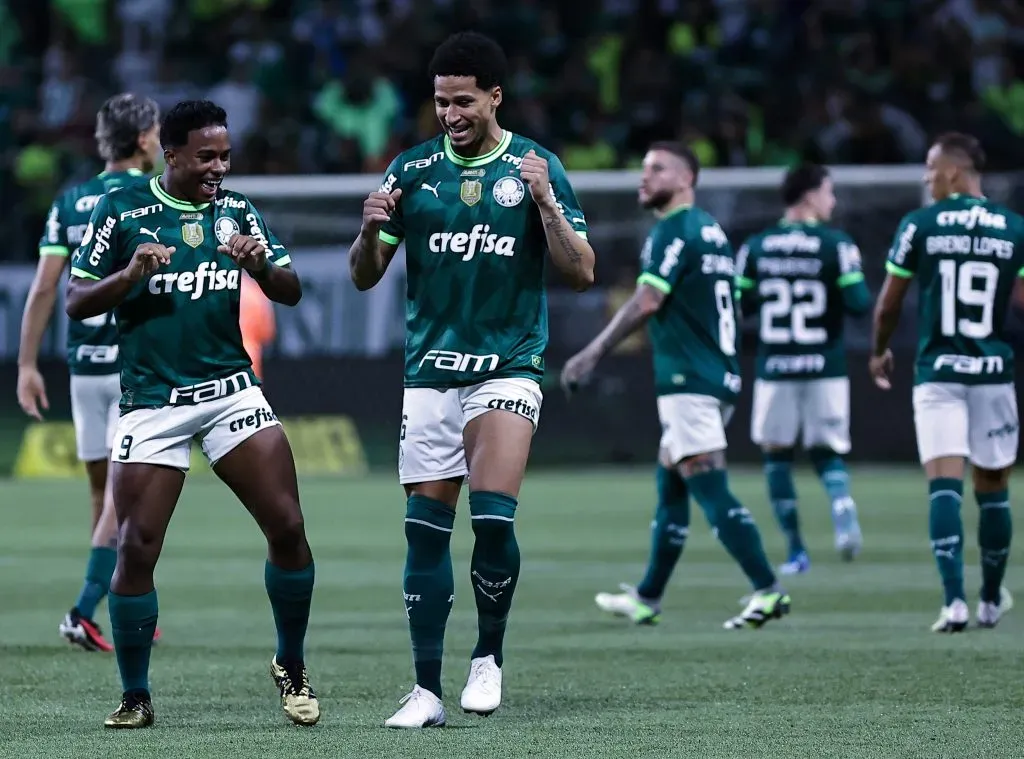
(92,343)
(795,274)
(693,335)
(965,254)
(475,256)
(178,328)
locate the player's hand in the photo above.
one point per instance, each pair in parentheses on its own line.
(32,392)
(148,257)
(577,370)
(248,252)
(880,368)
(378,207)
(534,171)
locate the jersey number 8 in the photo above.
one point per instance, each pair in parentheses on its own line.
(801,301)
(726,317)
(958,286)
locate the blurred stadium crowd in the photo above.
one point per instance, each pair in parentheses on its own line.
(325,86)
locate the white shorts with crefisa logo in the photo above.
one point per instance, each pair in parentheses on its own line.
(978,422)
(164,435)
(430,445)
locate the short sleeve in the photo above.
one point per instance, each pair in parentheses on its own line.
(902,261)
(565,197)
(661,260)
(851,269)
(54,241)
(393,231)
(257,228)
(95,257)
(745,279)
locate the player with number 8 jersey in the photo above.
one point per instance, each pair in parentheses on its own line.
(684,295)
(967,255)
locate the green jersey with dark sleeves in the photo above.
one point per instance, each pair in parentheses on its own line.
(693,335)
(92,343)
(965,253)
(178,328)
(801,278)
(475,257)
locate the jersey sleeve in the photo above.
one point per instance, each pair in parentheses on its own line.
(258,229)
(902,261)
(661,260)
(393,231)
(565,197)
(96,256)
(54,241)
(745,275)
(851,270)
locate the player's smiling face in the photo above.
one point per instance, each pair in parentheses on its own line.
(664,175)
(201,165)
(465,111)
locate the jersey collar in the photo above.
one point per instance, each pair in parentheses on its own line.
(673,211)
(501,147)
(167,200)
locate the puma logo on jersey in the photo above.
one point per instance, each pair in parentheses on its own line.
(478,240)
(206,278)
(145,231)
(433,189)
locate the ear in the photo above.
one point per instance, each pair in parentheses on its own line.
(169,158)
(496,97)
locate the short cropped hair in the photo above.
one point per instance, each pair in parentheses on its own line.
(800,180)
(680,150)
(120,121)
(964,147)
(188,116)
(471,54)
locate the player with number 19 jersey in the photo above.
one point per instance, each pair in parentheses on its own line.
(693,335)
(965,252)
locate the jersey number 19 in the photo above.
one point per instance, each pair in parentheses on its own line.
(959,285)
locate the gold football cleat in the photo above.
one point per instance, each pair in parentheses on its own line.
(132,713)
(298,700)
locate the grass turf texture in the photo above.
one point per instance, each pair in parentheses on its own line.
(852,672)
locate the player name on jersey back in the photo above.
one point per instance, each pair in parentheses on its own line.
(687,257)
(178,328)
(966,253)
(92,343)
(475,257)
(794,272)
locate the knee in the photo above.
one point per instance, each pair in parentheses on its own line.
(138,545)
(493,515)
(287,532)
(990,480)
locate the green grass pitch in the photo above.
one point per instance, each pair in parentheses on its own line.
(852,672)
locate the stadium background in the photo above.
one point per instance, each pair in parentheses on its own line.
(321,94)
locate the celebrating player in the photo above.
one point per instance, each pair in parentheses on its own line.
(127,139)
(479,208)
(168,257)
(967,254)
(685,293)
(801,278)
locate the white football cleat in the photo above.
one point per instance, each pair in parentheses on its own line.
(420,708)
(952,618)
(989,614)
(482,694)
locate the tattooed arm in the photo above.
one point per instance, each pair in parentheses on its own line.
(635,312)
(570,253)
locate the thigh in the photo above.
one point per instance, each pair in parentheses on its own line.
(940,421)
(90,414)
(144,499)
(994,428)
(501,417)
(112,400)
(691,425)
(826,414)
(430,446)
(157,436)
(261,472)
(775,418)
